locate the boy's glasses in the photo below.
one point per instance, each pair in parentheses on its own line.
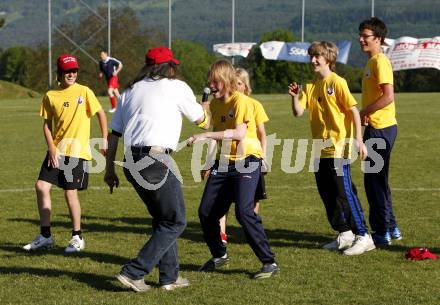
(365,36)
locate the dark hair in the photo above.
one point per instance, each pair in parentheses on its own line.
(156,72)
(377,26)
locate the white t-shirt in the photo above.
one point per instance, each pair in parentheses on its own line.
(150,114)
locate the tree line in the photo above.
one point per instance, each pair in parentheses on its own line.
(28,66)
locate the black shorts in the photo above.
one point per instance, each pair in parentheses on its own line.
(72,173)
(260,192)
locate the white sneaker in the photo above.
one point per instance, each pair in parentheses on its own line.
(76,244)
(112,110)
(179,283)
(343,241)
(361,244)
(40,242)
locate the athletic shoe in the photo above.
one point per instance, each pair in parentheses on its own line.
(361,244)
(214,263)
(40,242)
(76,244)
(179,283)
(136,285)
(343,241)
(382,239)
(112,110)
(224,237)
(396,234)
(267,271)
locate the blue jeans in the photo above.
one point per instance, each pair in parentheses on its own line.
(167,208)
(378,191)
(223,188)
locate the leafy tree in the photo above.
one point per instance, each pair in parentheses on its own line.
(195,62)
(16,64)
(2,22)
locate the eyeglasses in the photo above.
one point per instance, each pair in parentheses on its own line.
(365,36)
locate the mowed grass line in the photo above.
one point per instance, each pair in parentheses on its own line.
(116,226)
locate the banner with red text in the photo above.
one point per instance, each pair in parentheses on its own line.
(413,53)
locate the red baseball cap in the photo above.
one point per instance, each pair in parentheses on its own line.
(67,62)
(160,55)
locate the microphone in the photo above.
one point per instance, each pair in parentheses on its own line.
(206,93)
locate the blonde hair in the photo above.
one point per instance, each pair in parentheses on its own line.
(326,49)
(243,76)
(222,71)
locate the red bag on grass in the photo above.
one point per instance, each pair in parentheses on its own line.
(418,254)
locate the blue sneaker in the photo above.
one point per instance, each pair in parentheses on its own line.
(396,234)
(382,239)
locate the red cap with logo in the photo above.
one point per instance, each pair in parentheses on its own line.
(67,62)
(160,55)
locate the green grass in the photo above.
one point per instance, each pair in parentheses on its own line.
(116,226)
(13,91)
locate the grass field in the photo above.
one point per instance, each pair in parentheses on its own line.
(115,226)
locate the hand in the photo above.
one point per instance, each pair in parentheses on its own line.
(104,148)
(362,150)
(204,173)
(365,119)
(111,179)
(195,138)
(264,167)
(53,157)
(293,89)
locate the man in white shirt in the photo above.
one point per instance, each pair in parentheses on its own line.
(149,117)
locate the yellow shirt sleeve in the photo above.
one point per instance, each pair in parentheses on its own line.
(260,114)
(343,95)
(92,103)
(46,109)
(383,71)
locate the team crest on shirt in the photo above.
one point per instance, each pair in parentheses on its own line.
(231,113)
(367,73)
(80,100)
(330,91)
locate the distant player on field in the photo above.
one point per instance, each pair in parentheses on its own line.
(332,113)
(110,68)
(66,112)
(379,115)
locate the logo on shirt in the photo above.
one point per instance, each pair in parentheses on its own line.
(231,114)
(223,119)
(330,91)
(66,104)
(367,73)
(80,100)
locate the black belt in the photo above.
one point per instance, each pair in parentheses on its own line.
(152,149)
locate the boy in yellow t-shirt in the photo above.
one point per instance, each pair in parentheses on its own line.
(379,115)
(260,116)
(66,112)
(332,112)
(235,174)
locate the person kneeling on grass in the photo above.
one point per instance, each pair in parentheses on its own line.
(332,112)
(70,108)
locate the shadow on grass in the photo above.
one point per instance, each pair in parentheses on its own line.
(96,281)
(142,225)
(59,251)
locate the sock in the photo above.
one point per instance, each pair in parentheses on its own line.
(45,231)
(76,233)
(113,101)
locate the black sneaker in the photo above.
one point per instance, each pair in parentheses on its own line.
(214,263)
(268,270)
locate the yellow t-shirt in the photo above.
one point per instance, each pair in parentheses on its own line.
(259,112)
(237,109)
(378,71)
(71,110)
(329,101)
